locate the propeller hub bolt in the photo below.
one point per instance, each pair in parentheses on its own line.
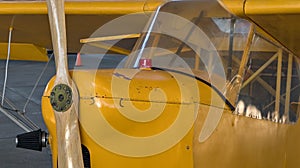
(61,97)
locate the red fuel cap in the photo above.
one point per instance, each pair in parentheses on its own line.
(145,63)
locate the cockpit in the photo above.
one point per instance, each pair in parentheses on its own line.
(257,75)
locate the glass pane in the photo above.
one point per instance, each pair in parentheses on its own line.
(200,38)
(272,72)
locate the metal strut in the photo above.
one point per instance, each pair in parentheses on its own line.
(6,66)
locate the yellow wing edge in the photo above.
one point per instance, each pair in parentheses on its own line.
(243,8)
(277,18)
(24,52)
(81,8)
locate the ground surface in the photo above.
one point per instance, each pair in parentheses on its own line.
(22,76)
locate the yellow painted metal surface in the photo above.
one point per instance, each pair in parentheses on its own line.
(234,6)
(244,8)
(49,119)
(273,7)
(23,51)
(293,146)
(238,141)
(97,98)
(80,7)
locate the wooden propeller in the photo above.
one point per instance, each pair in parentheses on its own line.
(64,95)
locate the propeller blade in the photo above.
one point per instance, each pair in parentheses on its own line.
(64,95)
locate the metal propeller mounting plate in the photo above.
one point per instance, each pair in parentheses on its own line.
(61,97)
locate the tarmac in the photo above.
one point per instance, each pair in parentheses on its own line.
(21,79)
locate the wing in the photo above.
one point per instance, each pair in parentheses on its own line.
(279,18)
(30,24)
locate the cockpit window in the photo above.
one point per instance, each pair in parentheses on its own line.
(204,39)
(271,86)
(199,37)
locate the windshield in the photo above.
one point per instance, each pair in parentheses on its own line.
(200,37)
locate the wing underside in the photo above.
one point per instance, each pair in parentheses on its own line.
(30,25)
(278,18)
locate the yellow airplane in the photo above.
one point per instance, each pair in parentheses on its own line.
(175,95)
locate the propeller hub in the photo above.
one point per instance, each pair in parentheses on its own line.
(61,97)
